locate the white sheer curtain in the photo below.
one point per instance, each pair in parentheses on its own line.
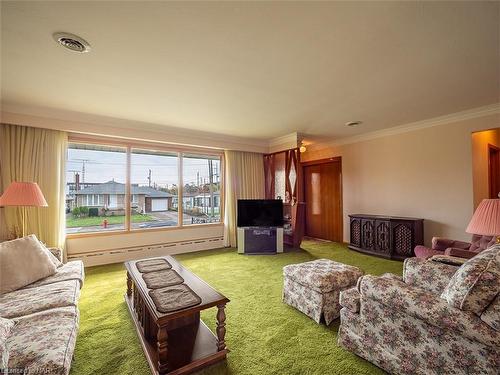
(244,179)
(34,155)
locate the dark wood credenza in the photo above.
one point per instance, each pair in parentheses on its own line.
(386,236)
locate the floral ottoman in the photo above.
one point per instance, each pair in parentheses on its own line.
(314,287)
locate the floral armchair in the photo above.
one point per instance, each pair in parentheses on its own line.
(462,249)
(419,324)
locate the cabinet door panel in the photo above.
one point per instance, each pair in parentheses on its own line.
(367,234)
(382,236)
(356,232)
(403,238)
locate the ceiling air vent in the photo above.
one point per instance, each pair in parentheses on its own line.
(72,42)
(353,123)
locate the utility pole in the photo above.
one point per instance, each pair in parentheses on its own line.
(211,186)
(149,178)
(83,168)
(76,182)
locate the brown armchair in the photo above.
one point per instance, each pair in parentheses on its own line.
(461,249)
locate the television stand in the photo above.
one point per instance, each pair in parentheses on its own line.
(260,240)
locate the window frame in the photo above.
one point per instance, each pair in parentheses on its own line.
(159,147)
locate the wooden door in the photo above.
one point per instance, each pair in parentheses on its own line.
(323,197)
(494,171)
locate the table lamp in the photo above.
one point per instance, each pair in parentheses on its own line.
(486,219)
(23,194)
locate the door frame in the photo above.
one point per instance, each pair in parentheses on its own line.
(341,195)
(322,161)
(492,149)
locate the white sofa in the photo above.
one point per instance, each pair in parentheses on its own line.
(46,320)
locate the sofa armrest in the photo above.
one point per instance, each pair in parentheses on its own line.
(440,243)
(57,253)
(349,298)
(460,253)
(407,299)
(428,275)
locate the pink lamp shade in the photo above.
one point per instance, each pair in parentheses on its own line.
(23,194)
(486,219)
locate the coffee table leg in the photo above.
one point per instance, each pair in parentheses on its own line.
(221,327)
(129,285)
(162,345)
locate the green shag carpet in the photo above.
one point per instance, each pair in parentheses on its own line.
(264,335)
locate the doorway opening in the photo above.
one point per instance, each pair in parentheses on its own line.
(486,165)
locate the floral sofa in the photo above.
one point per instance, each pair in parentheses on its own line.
(436,319)
(45,317)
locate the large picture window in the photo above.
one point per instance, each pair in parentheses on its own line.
(101,179)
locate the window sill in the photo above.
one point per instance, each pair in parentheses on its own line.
(141,230)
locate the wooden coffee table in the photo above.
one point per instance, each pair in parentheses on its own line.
(177,342)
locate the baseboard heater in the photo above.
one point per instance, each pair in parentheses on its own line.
(135,252)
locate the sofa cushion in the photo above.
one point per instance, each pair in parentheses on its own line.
(323,275)
(44,342)
(72,270)
(6,326)
(22,262)
(50,251)
(491,315)
(31,300)
(476,282)
(427,274)
(53,258)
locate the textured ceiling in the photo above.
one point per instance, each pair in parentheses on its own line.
(255,69)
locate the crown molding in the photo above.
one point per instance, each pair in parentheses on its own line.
(292,137)
(284,142)
(400,129)
(95,125)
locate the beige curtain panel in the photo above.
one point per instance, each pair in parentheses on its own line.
(34,155)
(244,179)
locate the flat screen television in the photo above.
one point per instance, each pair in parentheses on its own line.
(260,213)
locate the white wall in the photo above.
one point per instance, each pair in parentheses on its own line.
(424,173)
